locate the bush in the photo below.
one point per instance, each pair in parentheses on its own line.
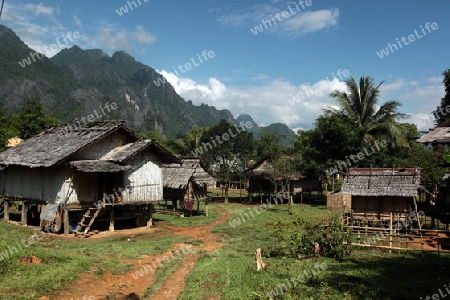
(298,238)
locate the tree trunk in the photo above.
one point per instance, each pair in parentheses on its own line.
(226,193)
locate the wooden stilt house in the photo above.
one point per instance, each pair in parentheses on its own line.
(187,181)
(378,193)
(102,168)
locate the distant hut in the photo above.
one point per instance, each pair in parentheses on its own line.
(378,193)
(265,179)
(187,181)
(96,169)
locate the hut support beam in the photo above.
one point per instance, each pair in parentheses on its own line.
(23,217)
(6,211)
(66,221)
(150,215)
(198,207)
(111,219)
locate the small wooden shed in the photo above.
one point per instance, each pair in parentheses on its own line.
(97,168)
(187,181)
(376,193)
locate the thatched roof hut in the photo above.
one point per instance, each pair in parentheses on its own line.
(382,190)
(264,177)
(439,135)
(186,181)
(78,168)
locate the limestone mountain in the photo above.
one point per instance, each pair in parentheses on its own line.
(75,82)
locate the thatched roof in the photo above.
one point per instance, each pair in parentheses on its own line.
(265,170)
(54,146)
(98,166)
(177,176)
(439,135)
(382,182)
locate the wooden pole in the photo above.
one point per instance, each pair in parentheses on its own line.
(66,221)
(150,215)
(23,217)
(206,208)
(390,232)
(111,219)
(198,207)
(6,211)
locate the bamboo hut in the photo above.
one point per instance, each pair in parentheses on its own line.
(376,194)
(96,169)
(186,181)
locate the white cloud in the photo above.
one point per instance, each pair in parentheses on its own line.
(298,23)
(77,21)
(267,104)
(110,39)
(43,10)
(434,80)
(311,22)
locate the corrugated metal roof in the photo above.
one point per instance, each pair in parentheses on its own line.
(382,182)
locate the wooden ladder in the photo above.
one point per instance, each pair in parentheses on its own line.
(90,216)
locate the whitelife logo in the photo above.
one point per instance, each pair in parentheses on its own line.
(411,38)
(187,66)
(281,16)
(53,48)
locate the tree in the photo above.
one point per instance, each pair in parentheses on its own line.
(440,113)
(359,107)
(226,150)
(32,119)
(332,139)
(7,130)
(269,145)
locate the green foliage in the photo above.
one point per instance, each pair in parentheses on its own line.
(440,113)
(269,145)
(360,107)
(331,140)
(32,119)
(297,238)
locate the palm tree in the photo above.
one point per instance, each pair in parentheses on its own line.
(190,140)
(360,107)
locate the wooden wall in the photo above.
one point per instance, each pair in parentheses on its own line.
(380,204)
(101,147)
(338,201)
(145,179)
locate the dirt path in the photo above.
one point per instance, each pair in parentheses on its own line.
(175,283)
(121,285)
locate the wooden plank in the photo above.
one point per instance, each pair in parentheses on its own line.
(6,210)
(111,219)
(23,217)
(66,221)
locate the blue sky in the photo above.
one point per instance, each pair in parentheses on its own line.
(260,73)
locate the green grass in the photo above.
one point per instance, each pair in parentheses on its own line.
(161,275)
(193,221)
(62,261)
(367,274)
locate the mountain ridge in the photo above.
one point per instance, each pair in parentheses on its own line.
(75,81)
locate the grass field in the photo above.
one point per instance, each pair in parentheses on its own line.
(230,271)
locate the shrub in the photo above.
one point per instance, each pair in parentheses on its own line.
(298,238)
